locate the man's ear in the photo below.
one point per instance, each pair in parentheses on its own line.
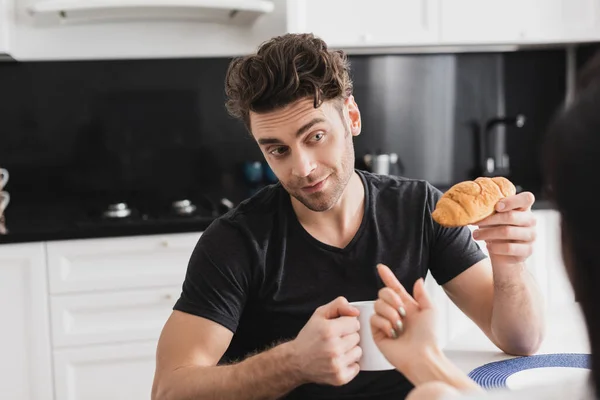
(354,115)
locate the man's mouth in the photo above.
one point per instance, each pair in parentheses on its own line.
(316,187)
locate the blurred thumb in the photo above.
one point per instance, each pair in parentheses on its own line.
(421,295)
(339,308)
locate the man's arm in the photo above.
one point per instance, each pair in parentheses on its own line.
(498,293)
(325,351)
(188,352)
(507,309)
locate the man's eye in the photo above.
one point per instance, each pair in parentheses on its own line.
(318,136)
(278,151)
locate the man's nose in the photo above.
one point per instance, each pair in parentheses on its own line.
(303,165)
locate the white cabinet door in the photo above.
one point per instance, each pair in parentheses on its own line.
(117,372)
(519,21)
(359,23)
(581,20)
(6,8)
(89,265)
(158,36)
(560,21)
(25,352)
(111,317)
(481,21)
(3,28)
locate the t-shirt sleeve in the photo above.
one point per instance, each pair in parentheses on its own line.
(452,250)
(218,276)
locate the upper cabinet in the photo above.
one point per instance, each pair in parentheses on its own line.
(480,21)
(5,25)
(112,29)
(383,25)
(374,23)
(519,22)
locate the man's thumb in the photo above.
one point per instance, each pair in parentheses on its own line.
(339,308)
(421,295)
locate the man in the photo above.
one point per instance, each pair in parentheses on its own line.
(264,311)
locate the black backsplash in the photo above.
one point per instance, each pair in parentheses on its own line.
(117,129)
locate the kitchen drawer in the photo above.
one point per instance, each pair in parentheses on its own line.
(110,317)
(118,372)
(86,265)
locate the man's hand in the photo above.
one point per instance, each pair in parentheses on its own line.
(326,349)
(510,232)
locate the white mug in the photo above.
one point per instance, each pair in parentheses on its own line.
(3,177)
(4,200)
(372,359)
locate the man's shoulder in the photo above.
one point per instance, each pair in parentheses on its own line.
(254,215)
(400,188)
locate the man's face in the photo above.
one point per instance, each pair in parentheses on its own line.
(309,149)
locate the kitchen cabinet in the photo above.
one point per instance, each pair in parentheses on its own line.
(117,372)
(25,364)
(109,299)
(375,23)
(6,8)
(137,262)
(519,22)
(130,29)
(3,28)
(581,20)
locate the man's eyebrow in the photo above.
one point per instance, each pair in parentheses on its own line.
(301,131)
(309,125)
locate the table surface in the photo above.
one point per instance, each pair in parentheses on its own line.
(565,333)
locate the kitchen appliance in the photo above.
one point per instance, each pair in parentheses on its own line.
(183,207)
(4,175)
(117,210)
(4,200)
(149,211)
(384,164)
(491,158)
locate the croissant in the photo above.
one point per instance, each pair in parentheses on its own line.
(471,201)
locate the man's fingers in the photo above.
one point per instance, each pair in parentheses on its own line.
(350,372)
(505,232)
(349,342)
(515,218)
(343,326)
(338,308)
(352,356)
(522,201)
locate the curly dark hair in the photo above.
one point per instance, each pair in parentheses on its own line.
(285,69)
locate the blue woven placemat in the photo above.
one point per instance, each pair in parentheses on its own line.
(494,375)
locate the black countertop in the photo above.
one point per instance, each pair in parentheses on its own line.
(32,223)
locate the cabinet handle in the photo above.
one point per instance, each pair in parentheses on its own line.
(167,297)
(164,243)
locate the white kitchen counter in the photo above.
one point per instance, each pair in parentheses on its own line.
(565,333)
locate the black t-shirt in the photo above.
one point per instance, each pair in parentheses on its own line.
(257,272)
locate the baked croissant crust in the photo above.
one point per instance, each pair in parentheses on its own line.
(471,201)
